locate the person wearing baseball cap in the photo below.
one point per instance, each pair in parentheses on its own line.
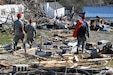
(19,15)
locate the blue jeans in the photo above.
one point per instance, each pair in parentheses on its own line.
(81,43)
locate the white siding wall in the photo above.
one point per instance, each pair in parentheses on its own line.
(6,10)
(60,12)
(48,10)
(45,6)
(52,13)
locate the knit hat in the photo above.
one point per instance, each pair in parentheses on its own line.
(19,15)
(31,20)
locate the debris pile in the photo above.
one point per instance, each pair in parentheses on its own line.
(56,55)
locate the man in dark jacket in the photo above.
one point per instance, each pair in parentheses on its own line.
(81,32)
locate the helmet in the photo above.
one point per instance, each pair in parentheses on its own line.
(31,20)
(19,15)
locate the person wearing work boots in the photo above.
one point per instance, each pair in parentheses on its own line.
(18,28)
(81,32)
(31,33)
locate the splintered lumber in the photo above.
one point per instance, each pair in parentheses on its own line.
(83,64)
(42,58)
(65,35)
(54,63)
(63,55)
(5,64)
(67,54)
(99,59)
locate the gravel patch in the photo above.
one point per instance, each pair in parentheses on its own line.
(97,36)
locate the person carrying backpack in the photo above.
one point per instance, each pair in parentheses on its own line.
(81,31)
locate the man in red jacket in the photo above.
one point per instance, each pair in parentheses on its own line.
(81,31)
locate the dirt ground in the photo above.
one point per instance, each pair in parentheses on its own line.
(97,36)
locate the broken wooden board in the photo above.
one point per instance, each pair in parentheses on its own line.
(54,62)
(65,35)
(53,65)
(99,59)
(64,56)
(42,58)
(5,64)
(50,62)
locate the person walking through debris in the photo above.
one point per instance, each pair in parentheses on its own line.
(30,30)
(81,31)
(18,30)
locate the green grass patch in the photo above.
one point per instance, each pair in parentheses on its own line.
(3,52)
(5,37)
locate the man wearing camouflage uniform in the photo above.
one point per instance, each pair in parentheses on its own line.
(18,30)
(31,33)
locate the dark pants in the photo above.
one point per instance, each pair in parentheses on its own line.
(16,40)
(80,43)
